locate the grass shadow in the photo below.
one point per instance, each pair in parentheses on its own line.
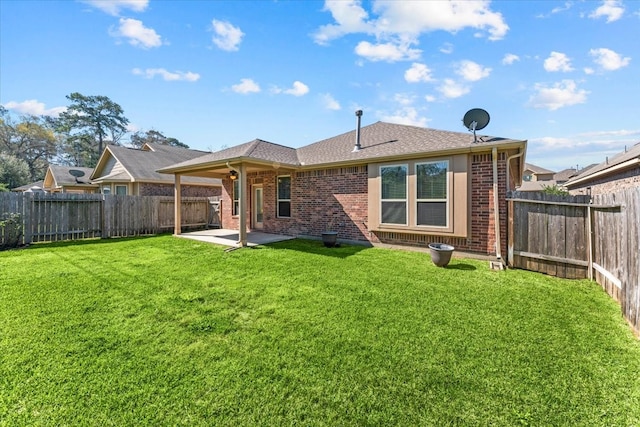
(461,266)
(316,247)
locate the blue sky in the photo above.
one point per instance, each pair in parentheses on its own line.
(563,75)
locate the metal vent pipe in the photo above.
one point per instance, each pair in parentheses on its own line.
(357,146)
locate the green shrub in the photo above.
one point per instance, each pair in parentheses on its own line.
(10,231)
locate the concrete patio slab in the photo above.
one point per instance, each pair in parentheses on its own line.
(230,237)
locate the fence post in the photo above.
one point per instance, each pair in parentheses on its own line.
(589,242)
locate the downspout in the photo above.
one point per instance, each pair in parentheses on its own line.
(519,154)
(510,208)
(496,210)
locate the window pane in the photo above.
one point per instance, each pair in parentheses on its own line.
(394,213)
(284,187)
(121,190)
(236,199)
(432,180)
(394,182)
(432,213)
(284,209)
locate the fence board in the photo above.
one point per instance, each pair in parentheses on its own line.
(550,234)
(68,216)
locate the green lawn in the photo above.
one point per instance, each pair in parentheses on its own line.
(167,331)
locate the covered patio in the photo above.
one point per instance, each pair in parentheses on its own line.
(231,238)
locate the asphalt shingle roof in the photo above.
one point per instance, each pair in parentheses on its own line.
(62,176)
(632,153)
(378,140)
(143,164)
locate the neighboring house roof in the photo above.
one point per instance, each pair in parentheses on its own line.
(536,169)
(565,175)
(379,141)
(627,159)
(59,177)
(26,187)
(131,164)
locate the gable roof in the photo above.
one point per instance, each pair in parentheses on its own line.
(378,141)
(60,176)
(537,169)
(142,164)
(627,159)
(38,184)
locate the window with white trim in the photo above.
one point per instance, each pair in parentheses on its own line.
(284,196)
(431,194)
(393,194)
(236,197)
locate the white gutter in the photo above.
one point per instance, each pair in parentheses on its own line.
(519,154)
(607,171)
(496,207)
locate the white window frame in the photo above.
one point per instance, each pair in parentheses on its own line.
(235,199)
(405,200)
(278,199)
(445,200)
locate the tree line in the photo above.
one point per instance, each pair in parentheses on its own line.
(77,137)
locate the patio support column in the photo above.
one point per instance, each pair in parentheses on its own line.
(177,202)
(242,226)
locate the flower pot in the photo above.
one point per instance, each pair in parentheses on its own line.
(330,238)
(441,253)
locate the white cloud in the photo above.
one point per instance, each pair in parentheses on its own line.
(472,71)
(137,33)
(404,99)
(608,59)
(246,86)
(397,25)
(350,18)
(611,9)
(510,58)
(452,89)
(406,116)
(430,98)
(447,48)
(329,102)
(561,94)
(389,52)
(227,36)
(418,73)
(150,73)
(113,7)
(558,61)
(298,89)
(588,70)
(34,108)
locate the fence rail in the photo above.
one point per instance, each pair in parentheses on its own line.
(66,216)
(578,237)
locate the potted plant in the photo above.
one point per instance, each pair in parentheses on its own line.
(441,253)
(329,236)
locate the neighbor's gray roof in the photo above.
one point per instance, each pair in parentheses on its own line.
(143,164)
(62,176)
(536,169)
(379,140)
(632,153)
(28,186)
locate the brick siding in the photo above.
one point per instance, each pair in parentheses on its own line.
(340,195)
(625,179)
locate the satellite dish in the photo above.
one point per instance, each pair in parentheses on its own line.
(475,119)
(77,173)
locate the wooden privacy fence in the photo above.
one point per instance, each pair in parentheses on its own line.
(67,216)
(581,237)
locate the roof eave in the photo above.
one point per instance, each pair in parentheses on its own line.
(604,172)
